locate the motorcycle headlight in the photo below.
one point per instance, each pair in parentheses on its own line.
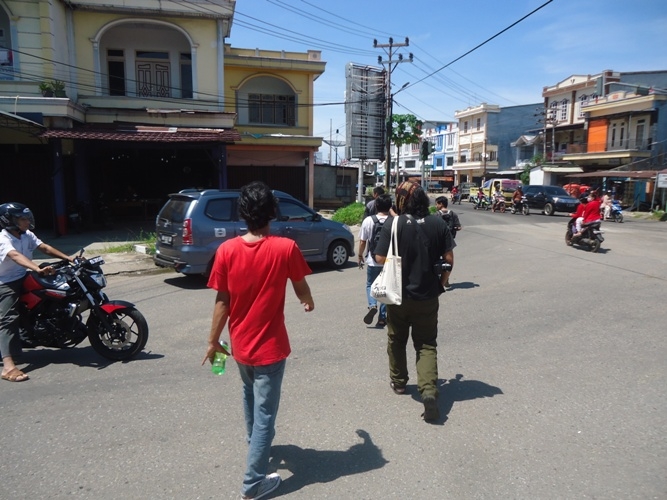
(99,279)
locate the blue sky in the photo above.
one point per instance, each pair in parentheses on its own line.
(563,38)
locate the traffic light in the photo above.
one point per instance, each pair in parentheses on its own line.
(425,150)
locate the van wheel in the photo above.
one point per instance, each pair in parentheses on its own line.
(548,209)
(337,255)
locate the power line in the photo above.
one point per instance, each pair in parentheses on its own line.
(484,42)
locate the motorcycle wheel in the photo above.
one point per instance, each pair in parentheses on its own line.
(512,210)
(125,339)
(502,209)
(595,246)
(525,210)
(568,238)
(618,218)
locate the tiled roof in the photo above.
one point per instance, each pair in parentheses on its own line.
(145,134)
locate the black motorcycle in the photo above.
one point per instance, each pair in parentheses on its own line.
(63,309)
(590,238)
(520,207)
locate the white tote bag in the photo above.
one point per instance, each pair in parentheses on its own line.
(388,286)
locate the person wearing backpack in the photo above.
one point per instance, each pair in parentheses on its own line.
(452,220)
(369,235)
(449,216)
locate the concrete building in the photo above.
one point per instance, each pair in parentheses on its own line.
(485,134)
(96,96)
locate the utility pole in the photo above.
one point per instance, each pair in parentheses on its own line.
(391,64)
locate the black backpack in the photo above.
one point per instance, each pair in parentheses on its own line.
(449,219)
(375,234)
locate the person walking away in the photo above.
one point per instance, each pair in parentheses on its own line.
(423,240)
(250,274)
(368,238)
(370,206)
(452,220)
(17,244)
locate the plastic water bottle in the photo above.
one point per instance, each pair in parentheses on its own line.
(220,360)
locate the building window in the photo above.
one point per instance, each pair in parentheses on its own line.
(271,109)
(639,134)
(186,75)
(450,161)
(582,102)
(116,71)
(479,123)
(552,115)
(153,74)
(465,127)
(563,111)
(438,162)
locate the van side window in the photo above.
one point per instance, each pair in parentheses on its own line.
(219,209)
(293,211)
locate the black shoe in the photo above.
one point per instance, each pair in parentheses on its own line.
(381,323)
(398,389)
(431,412)
(368,319)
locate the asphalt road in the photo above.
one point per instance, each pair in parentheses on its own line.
(552,365)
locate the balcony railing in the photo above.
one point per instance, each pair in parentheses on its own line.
(601,147)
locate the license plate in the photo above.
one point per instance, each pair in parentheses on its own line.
(166,239)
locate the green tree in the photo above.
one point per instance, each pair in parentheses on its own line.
(405,129)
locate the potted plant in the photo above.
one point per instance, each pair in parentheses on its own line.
(46,89)
(58,88)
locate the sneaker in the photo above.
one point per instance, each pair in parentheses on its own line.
(266,486)
(431,412)
(368,319)
(381,323)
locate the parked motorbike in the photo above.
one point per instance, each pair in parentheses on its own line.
(591,235)
(53,309)
(520,207)
(483,204)
(616,212)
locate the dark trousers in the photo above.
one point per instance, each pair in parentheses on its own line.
(10,343)
(419,318)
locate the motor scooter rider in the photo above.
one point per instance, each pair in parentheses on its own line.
(578,215)
(497,197)
(480,198)
(591,212)
(605,204)
(517,197)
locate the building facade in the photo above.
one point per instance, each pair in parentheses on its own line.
(96,96)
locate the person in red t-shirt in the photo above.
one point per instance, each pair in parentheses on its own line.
(250,273)
(591,212)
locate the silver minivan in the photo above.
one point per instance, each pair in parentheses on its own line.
(193,223)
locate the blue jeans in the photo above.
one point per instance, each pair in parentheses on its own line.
(261,398)
(372,273)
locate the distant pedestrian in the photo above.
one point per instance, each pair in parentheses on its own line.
(368,238)
(423,242)
(250,273)
(370,206)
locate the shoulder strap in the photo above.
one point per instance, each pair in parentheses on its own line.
(420,232)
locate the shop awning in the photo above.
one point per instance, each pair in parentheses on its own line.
(636,174)
(140,133)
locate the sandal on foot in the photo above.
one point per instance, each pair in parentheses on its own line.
(398,389)
(14,375)
(381,323)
